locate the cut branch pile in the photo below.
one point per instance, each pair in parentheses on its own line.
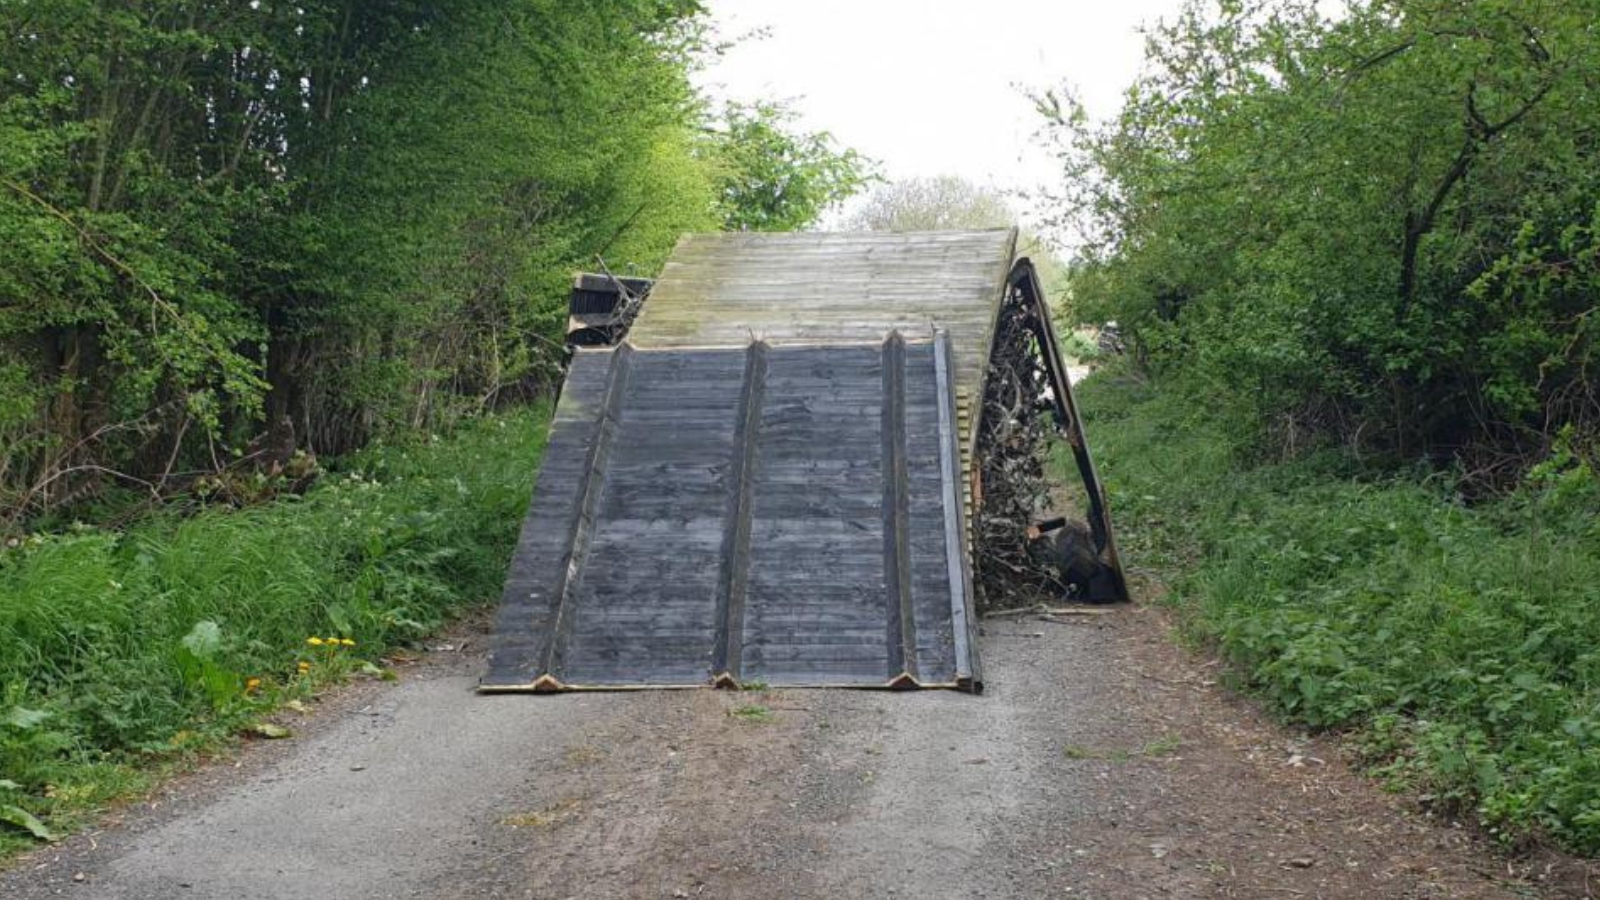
(1015,427)
(628,306)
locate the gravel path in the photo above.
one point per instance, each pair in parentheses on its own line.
(1103,763)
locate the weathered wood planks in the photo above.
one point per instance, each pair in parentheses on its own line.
(768,514)
(729,289)
(768,483)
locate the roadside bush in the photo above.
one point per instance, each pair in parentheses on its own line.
(1458,642)
(118,648)
(1377,223)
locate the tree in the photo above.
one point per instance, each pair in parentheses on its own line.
(774,178)
(1378,227)
(941,203)
(231,230)
(948,202)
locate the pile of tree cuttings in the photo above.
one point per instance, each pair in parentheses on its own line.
(603,306)
(1012,491)
(1024,551)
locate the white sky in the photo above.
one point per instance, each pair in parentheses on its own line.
(933,87)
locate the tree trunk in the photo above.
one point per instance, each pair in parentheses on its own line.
(285,403)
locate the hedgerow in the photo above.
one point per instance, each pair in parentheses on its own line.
(1456,643)
(122,650)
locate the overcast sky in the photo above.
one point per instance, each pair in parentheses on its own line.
(933,87)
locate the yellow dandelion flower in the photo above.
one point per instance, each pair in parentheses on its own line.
(305,667)
(314,641)
(251,684)
(347,642)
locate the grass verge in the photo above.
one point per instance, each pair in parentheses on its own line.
(122,652)
(1459,646)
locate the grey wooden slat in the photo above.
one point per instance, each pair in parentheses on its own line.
(930,590)
(896,516)
(645,611)
(592,483)
(733,582)
(523,624)
(962,621)
(817,604)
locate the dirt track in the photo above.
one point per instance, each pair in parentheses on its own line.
(1102,763)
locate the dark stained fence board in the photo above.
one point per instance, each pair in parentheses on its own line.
(524,624)
(773,514)
(931,589)
(817,606)
(644,612)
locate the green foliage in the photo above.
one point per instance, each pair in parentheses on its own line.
(1458,642)
(201,669)
(1324,236)
(509,145)
(1078,347)
(753,713)
(232,230)
(774,178)
(933,204)
(120,648)
(1378,227)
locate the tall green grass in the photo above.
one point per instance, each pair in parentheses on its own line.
(119,649)
(1461,646)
